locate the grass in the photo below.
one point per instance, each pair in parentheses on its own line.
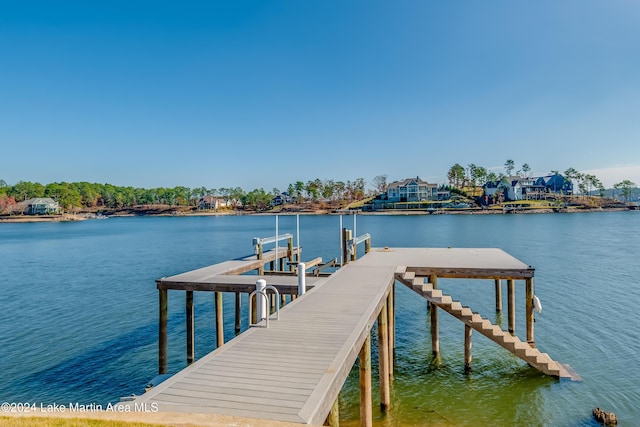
(359,203)
(66,422)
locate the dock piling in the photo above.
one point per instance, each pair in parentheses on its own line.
(467,348)
(392,327)
(366,409)
(238,320)
(334,415)
(383,358)
(529,312)
(511,303)
(190,329)
(162,332)
(433,314)
(219,320)
(302,285)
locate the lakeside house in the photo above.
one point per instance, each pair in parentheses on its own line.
(410,193)
(411,190)
(282,199)
(528,188)
(41,206)
(210,202)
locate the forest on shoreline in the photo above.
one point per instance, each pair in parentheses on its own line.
(74,197)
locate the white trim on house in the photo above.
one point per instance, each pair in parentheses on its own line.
(411,190)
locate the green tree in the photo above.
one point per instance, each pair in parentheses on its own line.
(627,188)
(509,165)
(257,200)
(470,177)
(25,190)
(526,169)
(67,196)
(298,188)
(236,195)
(456,175)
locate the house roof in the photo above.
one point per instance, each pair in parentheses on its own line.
(41,201)
(404,183)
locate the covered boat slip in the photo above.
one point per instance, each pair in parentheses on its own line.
(294,369)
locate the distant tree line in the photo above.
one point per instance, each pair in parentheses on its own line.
(84,195)
(473,175)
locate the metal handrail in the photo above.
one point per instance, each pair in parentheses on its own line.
(266,297)
(352,243)
(272,239)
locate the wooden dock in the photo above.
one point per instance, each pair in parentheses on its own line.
(293,370)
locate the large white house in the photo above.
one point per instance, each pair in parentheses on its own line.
(41,206)
(411,190)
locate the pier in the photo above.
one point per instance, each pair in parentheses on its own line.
(293,370)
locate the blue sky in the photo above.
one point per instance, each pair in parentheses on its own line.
(263,93)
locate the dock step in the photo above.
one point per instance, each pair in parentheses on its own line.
(533,356)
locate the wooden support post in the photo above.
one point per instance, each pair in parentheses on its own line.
(467,348)
(162,331)
(254,310)
(283,300)
(367,246)
(433,311)
(383,359)
(353,248)
(259,256)
(433,279)
(511,303)
(190,329)
(272,265)
(435,339)
(498,295)
(346,236)
(334,415)
(219,320)
(392,327)
(281,263)
(366,409)
(238,319)
(290,252)
(529,310)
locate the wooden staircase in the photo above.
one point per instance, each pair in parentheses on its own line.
(523,350)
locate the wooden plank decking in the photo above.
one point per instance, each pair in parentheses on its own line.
(293,370)
(232,267)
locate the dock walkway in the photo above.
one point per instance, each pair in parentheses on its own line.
(294,370)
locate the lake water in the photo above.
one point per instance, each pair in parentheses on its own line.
(78,311)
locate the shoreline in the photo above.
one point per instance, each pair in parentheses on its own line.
(88,216)
(150,417)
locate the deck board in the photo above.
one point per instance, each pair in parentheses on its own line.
(294,370)
(308,352)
